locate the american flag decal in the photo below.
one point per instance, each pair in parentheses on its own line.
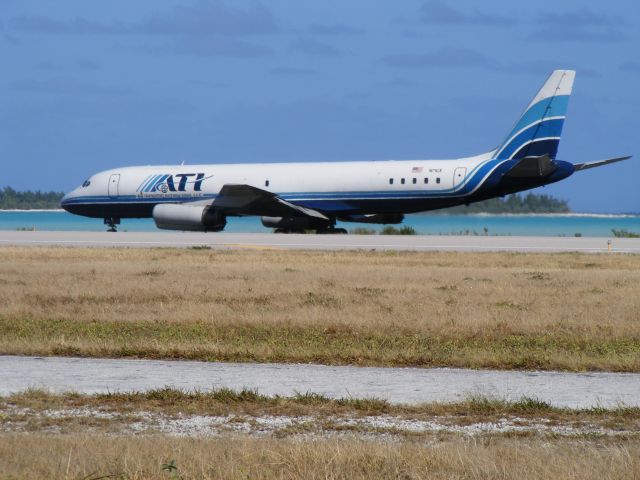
(416,170)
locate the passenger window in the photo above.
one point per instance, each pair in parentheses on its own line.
(402,181)
(266,183)
(426,180)
(415,180)
(391,181)
(438,180)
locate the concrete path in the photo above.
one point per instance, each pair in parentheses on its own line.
(322,242)
(397,385)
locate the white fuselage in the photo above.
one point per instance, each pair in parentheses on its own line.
(294,181)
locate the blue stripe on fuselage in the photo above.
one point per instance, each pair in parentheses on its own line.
(304,198)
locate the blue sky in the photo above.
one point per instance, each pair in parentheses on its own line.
(88,85)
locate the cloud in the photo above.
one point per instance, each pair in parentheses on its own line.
(210,17)
(81,64)
(78,25)
(86,64)
(465,58)
(581,17)
(210,47)
(209,84)
(583,25)
(11,40)
(204,29)
(333,29)
(437,12)
(577,33)
(633,67)
(447,57)
(401,82)
(541,67)
(61,85)
(205,17)
(293,71)
(115,110)
(309,46)
(357,95)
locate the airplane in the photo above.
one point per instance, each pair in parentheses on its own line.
(313,196)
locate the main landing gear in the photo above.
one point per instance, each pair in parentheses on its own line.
(111,222)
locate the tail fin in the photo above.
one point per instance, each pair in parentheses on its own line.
(539,128)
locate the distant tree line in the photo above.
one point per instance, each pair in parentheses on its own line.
(11,199)
(515,203)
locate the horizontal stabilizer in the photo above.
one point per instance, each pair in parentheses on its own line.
(529,167)
(599,163)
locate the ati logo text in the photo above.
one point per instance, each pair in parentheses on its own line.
(172,183)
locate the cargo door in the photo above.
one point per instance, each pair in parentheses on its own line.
(458,178)
(114,181)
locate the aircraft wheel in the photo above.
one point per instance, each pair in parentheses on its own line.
(112,223)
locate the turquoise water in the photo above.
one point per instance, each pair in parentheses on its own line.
(546,225)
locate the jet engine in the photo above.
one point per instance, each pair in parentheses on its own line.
(195,218)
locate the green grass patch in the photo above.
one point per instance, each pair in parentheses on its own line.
(404,230)
(326,345)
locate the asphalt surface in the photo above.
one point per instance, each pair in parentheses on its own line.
(320,242)
(397,385)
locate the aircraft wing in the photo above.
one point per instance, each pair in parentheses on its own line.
(599,163)
(240,199)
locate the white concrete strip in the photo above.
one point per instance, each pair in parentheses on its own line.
(397,385)
(319,426)
(321,242)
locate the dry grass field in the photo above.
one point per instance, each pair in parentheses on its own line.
(36,456)
(495,310)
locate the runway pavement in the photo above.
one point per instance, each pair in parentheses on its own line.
(397,385)
(320,242)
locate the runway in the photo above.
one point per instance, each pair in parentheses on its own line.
(397,385)
(320,242)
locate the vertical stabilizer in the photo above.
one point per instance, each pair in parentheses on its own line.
(538,130)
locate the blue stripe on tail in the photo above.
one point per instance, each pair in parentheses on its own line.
(545,129)
(532,133)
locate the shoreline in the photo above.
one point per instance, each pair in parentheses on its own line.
(34,210)
(432,214)
(546,215)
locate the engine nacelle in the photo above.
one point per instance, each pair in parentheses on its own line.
(294,223)
(382,218)
(195,218)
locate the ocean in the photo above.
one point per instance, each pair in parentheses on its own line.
(568,225)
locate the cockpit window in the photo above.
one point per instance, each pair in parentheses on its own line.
(86,183)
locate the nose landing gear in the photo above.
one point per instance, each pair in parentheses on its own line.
(111,222)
